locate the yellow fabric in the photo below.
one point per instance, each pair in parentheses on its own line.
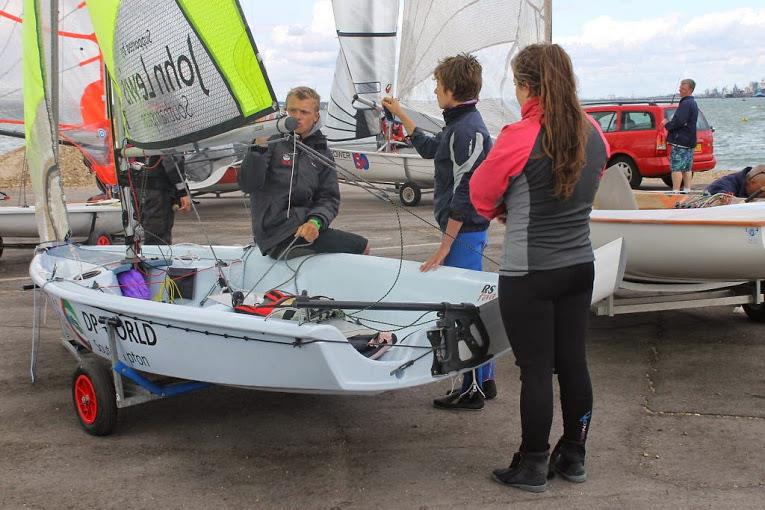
(33,86)
(103,14)
(221,28)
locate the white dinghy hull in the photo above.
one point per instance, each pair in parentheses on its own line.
(723,243)
(384,167)
(16,221)
(204,340)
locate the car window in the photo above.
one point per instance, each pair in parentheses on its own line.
(607,120)
(637,121)
(701,121)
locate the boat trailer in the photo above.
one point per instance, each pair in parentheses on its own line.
(637,297)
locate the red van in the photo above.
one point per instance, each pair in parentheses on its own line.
(639,141)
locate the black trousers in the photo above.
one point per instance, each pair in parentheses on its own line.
(330,240)
(546,314)
(156,215)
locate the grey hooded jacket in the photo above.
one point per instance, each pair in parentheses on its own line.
(276,213)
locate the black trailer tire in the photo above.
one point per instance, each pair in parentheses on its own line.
(94,397)
(410,194)
(629,168)
(755,312)
(667,179)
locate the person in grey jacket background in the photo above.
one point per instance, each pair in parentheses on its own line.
(294,198)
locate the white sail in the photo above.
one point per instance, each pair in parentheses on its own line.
(83,120)
(492,30)
(40,96)
(366,66)
(11,100)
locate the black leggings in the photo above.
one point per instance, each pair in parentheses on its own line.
(546,315)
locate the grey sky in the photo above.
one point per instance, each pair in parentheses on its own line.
(619,47)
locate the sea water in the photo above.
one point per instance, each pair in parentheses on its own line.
(739,126)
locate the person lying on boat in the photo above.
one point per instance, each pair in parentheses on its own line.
(743,184)
(457,151)
(294,199)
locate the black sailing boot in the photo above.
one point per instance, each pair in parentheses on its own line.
(527,471)
(567,460)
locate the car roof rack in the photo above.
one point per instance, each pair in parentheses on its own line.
(650,102)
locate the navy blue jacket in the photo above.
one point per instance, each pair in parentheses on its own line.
(457,151)
(734,183)
(682,128)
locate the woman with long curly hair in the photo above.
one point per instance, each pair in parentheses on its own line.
(540,180)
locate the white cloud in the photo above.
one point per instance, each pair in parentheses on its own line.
(649,56)
(302,54)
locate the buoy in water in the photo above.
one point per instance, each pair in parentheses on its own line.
(744,119)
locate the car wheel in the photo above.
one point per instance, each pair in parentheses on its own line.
(667,179)
(626,165)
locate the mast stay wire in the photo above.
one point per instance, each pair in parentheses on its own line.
(223,281)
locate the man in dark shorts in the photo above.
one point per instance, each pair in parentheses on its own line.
(681,136)
(294,198)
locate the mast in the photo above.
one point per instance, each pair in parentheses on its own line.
(548,21)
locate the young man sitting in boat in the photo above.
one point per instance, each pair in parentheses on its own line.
(294,198)
(742,184)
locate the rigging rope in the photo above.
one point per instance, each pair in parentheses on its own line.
(380,193)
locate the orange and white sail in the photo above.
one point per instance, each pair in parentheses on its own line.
(82,113)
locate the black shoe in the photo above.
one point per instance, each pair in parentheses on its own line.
(567,460)
(489,389)
(446,399)
(457,401)
(527,471)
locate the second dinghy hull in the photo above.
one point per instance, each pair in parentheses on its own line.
(723,243)
(83,219)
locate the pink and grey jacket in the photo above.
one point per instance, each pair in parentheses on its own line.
(542,232)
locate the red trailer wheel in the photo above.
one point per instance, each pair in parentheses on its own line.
(100,238)
(94,398)
(85,399)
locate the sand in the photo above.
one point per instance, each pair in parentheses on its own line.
(75,173)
